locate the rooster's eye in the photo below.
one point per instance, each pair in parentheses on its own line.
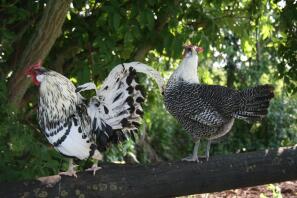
(40,77)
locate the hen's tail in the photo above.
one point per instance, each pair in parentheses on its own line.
(254,103)
(116,111)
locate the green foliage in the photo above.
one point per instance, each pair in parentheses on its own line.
(116,153)
(288,50)
(276,191)
(167,137)
(22,154)
(245,43)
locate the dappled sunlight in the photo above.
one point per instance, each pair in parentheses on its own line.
(246,43)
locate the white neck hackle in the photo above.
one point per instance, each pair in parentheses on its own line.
(187,70)
(58,98)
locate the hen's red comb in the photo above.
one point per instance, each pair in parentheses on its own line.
(190,45)
(32,67)
(198,49)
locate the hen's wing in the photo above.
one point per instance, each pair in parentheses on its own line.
(211,105)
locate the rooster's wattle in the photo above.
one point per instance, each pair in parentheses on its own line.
(83,129)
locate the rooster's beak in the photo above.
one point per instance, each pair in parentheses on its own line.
(27,72)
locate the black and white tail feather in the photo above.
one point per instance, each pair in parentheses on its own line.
(116,110)
(254,103)
(80,128)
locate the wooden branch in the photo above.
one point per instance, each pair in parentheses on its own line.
(169,179)
(38,47)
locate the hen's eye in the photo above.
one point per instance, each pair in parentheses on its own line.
(188,49)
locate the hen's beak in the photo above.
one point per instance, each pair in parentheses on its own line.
(195,47)
(199,49)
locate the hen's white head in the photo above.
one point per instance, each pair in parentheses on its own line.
(187,70)
(192,50)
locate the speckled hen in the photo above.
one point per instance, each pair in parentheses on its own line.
(208,111)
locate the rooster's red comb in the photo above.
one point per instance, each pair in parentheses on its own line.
(33,67)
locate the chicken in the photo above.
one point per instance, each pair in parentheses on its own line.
(83,129)
(208,111)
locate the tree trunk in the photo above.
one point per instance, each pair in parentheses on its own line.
(169,179)
(230,67)
(47,31)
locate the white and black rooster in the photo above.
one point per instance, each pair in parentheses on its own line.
(81,129)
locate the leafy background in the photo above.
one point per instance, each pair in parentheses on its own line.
(246,43)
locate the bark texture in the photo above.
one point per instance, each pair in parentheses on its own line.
(169,179)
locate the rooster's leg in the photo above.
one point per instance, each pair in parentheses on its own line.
(94,168)
(49,181)
(194,156)
(207,149)
(71,169)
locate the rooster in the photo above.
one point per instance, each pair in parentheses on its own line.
(83,129)
(208,111)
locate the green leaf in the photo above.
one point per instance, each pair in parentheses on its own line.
(176,47)
(128,38)
(136,32)
(150,19)
(68,16)
(151,2)
(266,31)
(116,20)
(247,48)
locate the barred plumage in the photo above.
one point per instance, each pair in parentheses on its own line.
(208,111)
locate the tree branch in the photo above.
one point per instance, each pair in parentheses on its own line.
(63,55)
(169,179)
(38,47)
(145,47)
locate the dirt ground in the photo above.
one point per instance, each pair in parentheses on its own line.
(279,190)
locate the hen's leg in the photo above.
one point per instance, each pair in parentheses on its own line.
(194,156)
(71,169)
(207,149)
